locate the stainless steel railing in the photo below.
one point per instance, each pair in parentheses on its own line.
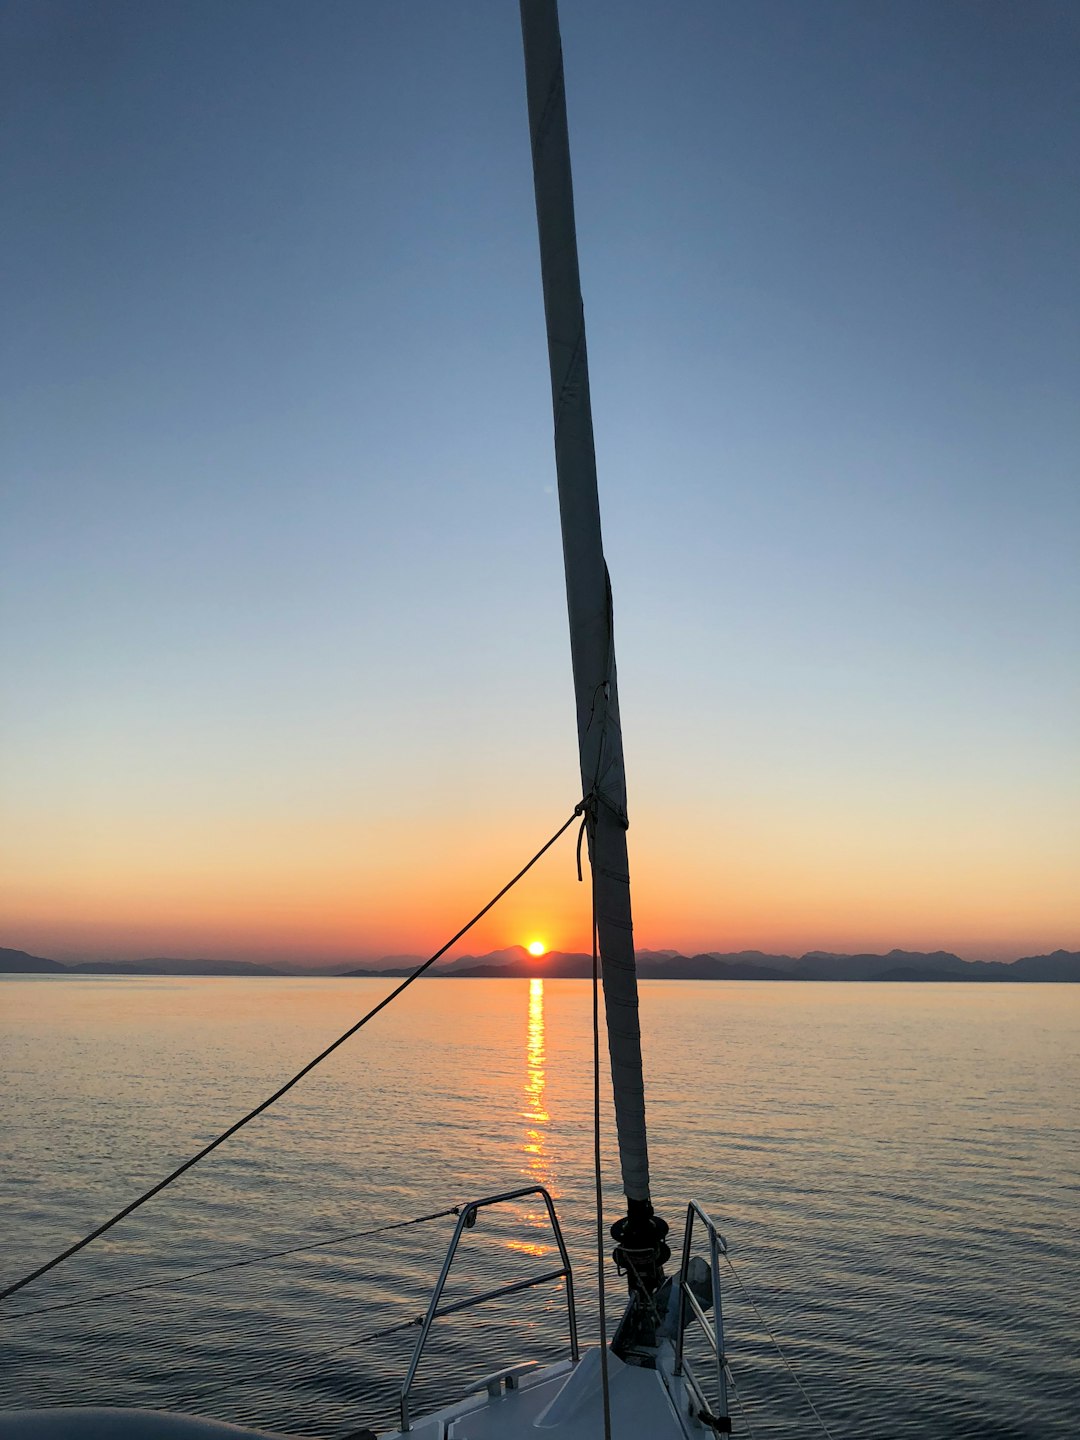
(466,1220)
(714,1329)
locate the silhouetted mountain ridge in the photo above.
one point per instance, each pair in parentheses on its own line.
(516,963)
(166,965)
(18,962)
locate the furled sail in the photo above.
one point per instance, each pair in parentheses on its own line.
(587,586)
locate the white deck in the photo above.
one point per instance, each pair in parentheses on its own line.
(565,1402)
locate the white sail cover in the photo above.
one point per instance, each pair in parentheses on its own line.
(587,588)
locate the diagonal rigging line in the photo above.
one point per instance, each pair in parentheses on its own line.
(298,1374)
(228,1265)
(776,1343)
(278,1093)
(739,1401)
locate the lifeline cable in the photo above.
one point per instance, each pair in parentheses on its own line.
(739,1401)
(300,1374)
(776,1343)
(229,1265)
(239,1124)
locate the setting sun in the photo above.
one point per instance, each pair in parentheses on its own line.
(537,947)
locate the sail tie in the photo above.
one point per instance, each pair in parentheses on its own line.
(586,808)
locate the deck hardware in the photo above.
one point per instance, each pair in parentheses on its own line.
(690,1309)
(466,1221)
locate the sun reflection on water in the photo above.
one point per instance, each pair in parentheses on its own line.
(536,1117)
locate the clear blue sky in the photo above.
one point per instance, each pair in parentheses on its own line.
(283,624)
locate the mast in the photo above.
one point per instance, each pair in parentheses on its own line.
(640,1248)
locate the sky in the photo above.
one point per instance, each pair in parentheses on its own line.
(285,667)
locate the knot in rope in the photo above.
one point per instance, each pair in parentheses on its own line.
(586,808)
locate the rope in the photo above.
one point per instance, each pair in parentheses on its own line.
(776,1343)
(258,1110)
(650,1300)
(601,1257)
(300,1373)
(230,1265)
(739,1401)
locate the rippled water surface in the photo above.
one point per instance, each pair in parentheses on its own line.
(896,1169)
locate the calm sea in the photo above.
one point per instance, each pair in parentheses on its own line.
(896,1169)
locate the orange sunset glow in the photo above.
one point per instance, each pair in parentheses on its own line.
(280,883)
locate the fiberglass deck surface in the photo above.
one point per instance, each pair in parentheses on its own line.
(568,1408)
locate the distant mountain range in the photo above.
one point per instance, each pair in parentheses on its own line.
(517,963)
(19,962)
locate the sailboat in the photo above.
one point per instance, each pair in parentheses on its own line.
(640,1385)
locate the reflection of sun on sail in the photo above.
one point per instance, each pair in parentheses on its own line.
(536,1117)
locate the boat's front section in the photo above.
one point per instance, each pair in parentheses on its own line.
(641,1387)
(566,1401)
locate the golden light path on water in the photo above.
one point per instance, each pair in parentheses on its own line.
(536,1119)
